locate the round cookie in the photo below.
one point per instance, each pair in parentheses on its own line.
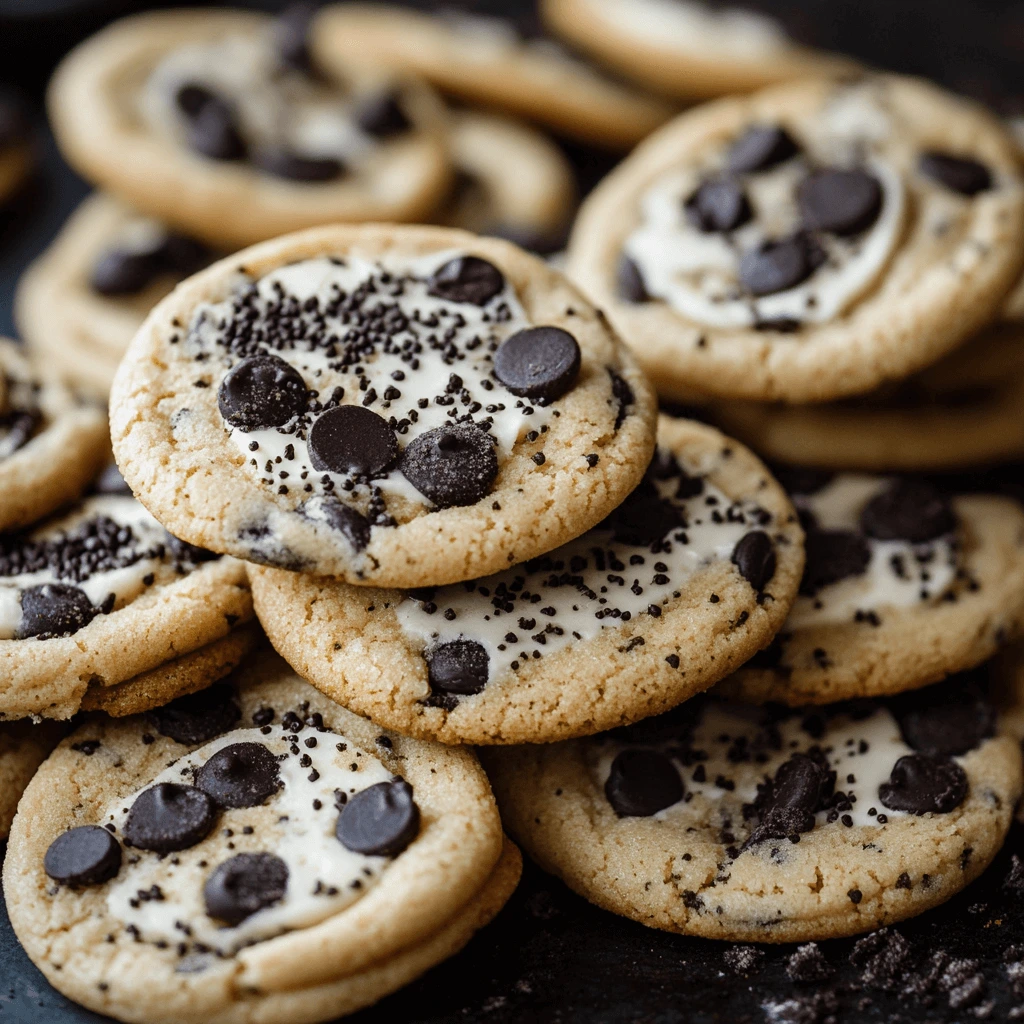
(486,61)
(24,746)
(404,406)
(758,824)
(51,444)
(308,851)
(511,181)
(210,121)
(903,586)
(808,242)
(686,579)
(686,48)
(15,146)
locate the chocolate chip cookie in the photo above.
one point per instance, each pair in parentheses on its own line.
(24,746)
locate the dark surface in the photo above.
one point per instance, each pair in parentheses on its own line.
(550,956)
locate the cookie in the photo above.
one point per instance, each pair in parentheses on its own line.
(806,243)
(687,49)
(687,578)
(395,406)
(757,824)
(903,586)
(15,146)
(51,444)
(24,746)
(261,854)
(510,181)
(99,594)
(486,61)
(79,304)
(208,121)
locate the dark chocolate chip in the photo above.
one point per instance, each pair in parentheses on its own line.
(787,804)
(353,525)
(197,717)
(122,272)
(291,34)
(459,666)
(54,609)
(754,557)
(641,783)
(110,481)
(183,255)
(719,204)
(262,391)
(467,279)
(946,720)
(922,784)
(380,821)
(623,395)
(168,817)
(631,281)
(381,115)
(87,855)
(780,265)
(352,439)
(451,465)
(284,163)
(761,146)
(844,202)
(644,518)
(213,132)
(192,97)
(908,509)
(832,555)
(968,177)
(541,363)
(240,775)
(244,884)
(802,480)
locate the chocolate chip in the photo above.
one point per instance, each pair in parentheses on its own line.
(284,163)
(240,775)
(352,439)
(641,783)
(354,526)
(213,131)
(192,97)
(381,115)
(459,666)
(787,804)
(380,821)
(754,557)
(644,518)
(922,784)
(110,481)
(244,884)
(197,717)
(87,855)
(779,265)
(761,146)
(262,391)
(968,177)
(183,255)
(802,480)
(54,609)
(291,34)
(832,555)
(451,465)
(541,363)
(467,279)
(843,202)
(121,272)
(168,817)
(945,720)
(719,204)
(630,281)
(908,509)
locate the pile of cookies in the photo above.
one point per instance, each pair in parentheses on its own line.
(741,700)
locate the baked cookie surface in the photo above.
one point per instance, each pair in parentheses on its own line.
(690,575)
(24,746)
(806,243)
(393,406)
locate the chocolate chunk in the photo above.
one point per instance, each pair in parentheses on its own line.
(110,481)
(832,555)
(780,265)
(631,281)
(354,526)
(213,132)
(540,363)
(922,784)
(122,272)
(352,439)
(192,97)
(262,391)
(641,783)
(380,821)
(908,509)
(451,465)
(968,177)
(291,34)
(467,279)
(240,775)
(381,115)
(54,609)
(843,202)
(197,717)
(459,666)
(168,817)
(644,518)
(945,720)
(801,479)
(754,557)
(719,204)
(284,163)
(87,855)
(14,122)
(787,804)
(244,884)
(761,146)
(623,395)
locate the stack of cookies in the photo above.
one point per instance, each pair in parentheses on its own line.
(749,700)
